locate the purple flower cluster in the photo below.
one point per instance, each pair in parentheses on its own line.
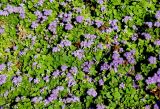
(138,77)
(71,99)
(73,70)
(98,23)
(36,99)
(2,67)
(55,49)
(11,9)
(146,36)
(56,73)
(65,43)
(126,18)
(157,24)
(68,26)
(71,80)
(3,79)
(149,24)
(100,106)
(157,42)
(157,16)
(79,19)
(152,60)
(105,66)
(130,56)
(17,79)
(86,66)
(1,30)
(52,27)
(86,44)
(92,92)
(53,95)
(79,54)
(113,24)
(154,79)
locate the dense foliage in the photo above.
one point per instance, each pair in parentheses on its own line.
(79,54)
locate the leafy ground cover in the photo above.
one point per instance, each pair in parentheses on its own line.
(79,54)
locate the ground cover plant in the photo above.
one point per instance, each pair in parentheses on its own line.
(79,54)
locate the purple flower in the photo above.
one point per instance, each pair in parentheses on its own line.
(157,42)
(146,35)
(55,49)
(46,78)
(92,92)
(100,1)
(138,77)
(79,19)
(47,12)
(156,105)
(86,44)
(64,67)
(98,23)
(126,18)
(157,24)
(65,43)
(147,107)
(36,80)
(60,88)
(1,30)
(122,85)
(103,8)
(101,82)
(79,54)
(100,106)
(3,79)
(86,66)
(105,66)
(149,24)
(56,73)
(17,79)
(2,67)
(152,60)
(73,70)
(68,26)
(157,16)
(34,25)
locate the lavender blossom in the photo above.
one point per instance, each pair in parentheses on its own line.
(55,49)
(98,23)
(47,12)
(157,16)
(36,80)
(79,19)
(73,70)
(17,79)
(34,25)
(79,54)
(56,73)
(46,78)
(101,82)
(1,30)
(122,85)
(64,68)
(100,1)
(92,92)
(152,60)
(2,67)
(68,26)
(149,24)
(138,77)
(126,18)
(157,42)
(157,24)
(146,35)
(100,106)
(3,79)
(65,43)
